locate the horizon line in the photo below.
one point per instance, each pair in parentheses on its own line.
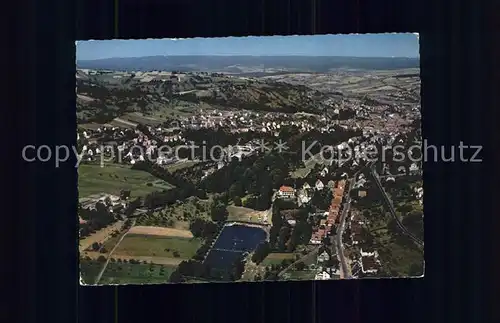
(243,55)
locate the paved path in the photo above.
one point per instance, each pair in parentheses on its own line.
(99,236)
(111,253)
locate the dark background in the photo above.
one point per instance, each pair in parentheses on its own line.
(459,91)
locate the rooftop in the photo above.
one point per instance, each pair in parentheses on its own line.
(369,263)
(287,189)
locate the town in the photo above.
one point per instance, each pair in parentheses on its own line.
(202,188)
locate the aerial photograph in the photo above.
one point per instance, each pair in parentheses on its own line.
(247,159)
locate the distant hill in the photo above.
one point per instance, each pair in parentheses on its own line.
(102,97)
(248,64)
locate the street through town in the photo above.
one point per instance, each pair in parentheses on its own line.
(345,270)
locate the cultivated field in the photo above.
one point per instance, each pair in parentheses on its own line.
(159,231)
(100,236)
(137,117)
(180,165)
(135,246)
(118,122)
(94,179)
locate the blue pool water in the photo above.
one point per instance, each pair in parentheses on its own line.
(231,245)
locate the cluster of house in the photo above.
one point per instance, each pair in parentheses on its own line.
(241,122)
(302,195)
(114,203)
(355,225)
(367,262)
(413,169)
(325,272)
(326,225)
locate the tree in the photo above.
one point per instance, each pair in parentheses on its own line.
(261,252)
(284,235)
(95,246)
(218,211)
(300,266)
(250,202)
(237,201)
(236,189)
(176,277)
(101,259)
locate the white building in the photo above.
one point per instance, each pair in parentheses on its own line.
(322,276)
(319,185)
(323,257)
(286,192)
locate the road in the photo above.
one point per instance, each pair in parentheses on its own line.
(111,253)
(389,204)
(345,271)
(185,92)
(340,230)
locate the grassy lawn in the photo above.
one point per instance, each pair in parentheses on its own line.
(89,269)
(276,258)
(93,179)
(397,252)
(111,242)
(301,275)
(399,258)
(145,245)
(124,273)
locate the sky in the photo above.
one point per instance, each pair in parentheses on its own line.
(362,45)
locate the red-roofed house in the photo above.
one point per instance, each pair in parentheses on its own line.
(286,191)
